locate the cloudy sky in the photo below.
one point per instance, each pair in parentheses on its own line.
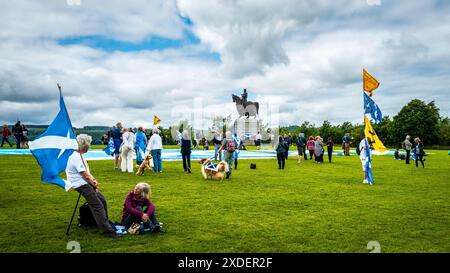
(302,60)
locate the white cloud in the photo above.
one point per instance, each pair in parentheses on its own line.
(306,57)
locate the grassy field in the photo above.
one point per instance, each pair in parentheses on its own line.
(305,208)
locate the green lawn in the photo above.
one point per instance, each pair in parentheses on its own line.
(305,208)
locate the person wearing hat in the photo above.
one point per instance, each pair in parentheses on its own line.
(138,208)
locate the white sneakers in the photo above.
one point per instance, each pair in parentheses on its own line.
(365,181)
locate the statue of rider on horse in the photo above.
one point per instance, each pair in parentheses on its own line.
(244,107)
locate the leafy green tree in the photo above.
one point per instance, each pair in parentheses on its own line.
(444,132)
(417,119)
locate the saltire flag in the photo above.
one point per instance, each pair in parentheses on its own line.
(369,82)
(109,150)
(372,137)
(372,110)
(53,148)
(156,120)
(368,166)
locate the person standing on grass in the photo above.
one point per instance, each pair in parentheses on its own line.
(5,135)
(186,148)
(418,151)
(138,208)
(236,153)
(258,141)
(18,134)
(318,149)
(229,146)
(363,157)
(127,150)
(281,152)
(310,145)
(330,145)
(155,148)
(217,142)
(116,135)
(288,140)
(141,144)
(24,143)
(407,145)
(79,175)
(346,144)
(301,147)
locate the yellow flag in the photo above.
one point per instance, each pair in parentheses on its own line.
(369,82)
(372,137)
(156,120)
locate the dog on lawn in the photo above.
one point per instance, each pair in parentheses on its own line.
(147,163)
(211,171)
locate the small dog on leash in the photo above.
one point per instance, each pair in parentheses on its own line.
(213,171)
(147,163)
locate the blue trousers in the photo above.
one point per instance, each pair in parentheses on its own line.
(157,162)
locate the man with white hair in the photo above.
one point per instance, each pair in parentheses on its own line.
(79,175)
(407,145)
(155,147)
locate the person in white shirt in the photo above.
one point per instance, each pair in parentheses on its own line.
(79,175)
(363,158)
(127,150)
(155,147)
(258,141)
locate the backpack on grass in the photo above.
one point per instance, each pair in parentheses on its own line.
(85,217)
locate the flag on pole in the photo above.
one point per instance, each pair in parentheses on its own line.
(369,83)
(372,137)
(368,166)
(156,120)
(372,110)
(109,150)
(53,148)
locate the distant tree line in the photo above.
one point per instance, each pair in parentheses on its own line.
(417,119)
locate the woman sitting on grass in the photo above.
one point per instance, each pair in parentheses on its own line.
(139,209)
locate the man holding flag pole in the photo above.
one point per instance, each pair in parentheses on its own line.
(371,139)
(57,150)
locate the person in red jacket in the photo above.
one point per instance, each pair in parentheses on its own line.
(139,209)
(5,135)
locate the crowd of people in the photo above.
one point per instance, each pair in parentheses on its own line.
(127,142)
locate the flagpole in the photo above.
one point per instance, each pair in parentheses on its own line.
(73,214)
(79,195)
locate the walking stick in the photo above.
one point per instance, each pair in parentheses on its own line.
(73,214)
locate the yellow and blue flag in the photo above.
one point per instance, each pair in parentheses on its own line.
(372,137)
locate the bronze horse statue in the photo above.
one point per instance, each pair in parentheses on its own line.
(246,108)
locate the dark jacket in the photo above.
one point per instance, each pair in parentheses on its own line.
(132,201)
(301,142)
(282,147)
(186,146)
(418,149)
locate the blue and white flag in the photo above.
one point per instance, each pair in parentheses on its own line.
(372,110)
(53,148)
(109,150)
(368,163)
